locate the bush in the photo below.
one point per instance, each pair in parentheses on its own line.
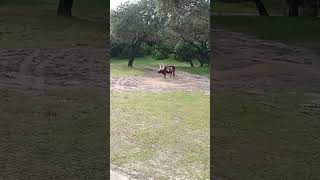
(161,51)
(147,50)
(116,50)
(184,51)
(158,55)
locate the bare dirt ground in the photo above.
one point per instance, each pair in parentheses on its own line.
(50,111)
(152,81)
(246,63)
(43,69)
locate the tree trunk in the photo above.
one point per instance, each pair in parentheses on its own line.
(293,6)
(65,8)
(191,63)
(131,59)
(315,12)
(201,63)
(134,49)
(261,8)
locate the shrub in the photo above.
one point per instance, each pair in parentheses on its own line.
(184,51)
(162,51)
(158,55)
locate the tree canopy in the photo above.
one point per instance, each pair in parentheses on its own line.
(135,23)
(156,22)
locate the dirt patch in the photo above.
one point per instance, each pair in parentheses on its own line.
(246,62)
(41,69)
(152,81)
(48,131)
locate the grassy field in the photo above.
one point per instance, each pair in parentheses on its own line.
(265,137)
(292,30)
(159,134)
(118,67)
(55,135)
(158,137)
(34,24)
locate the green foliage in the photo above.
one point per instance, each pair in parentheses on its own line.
(121,50)
(160,55)
(185,51)
(147,50)
(162,51)
(116,49)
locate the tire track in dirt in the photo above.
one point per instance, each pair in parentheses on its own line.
(42,69)
(24,75)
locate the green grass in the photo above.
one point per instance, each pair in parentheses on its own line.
(168,129)
(286,29)
(24,25)
(119,68)
(55,135)
(257,137)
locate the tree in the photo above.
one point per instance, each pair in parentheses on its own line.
(185,52)
(190,21)
(293,7)
(134,24)
(65,8)
(261,8)
(162,51)
(310,7)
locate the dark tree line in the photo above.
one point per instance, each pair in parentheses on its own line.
(308,7)
(65,8)
(259,4)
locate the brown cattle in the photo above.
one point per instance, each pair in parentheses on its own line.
(167,70)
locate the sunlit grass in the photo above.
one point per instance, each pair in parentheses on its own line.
(168,129)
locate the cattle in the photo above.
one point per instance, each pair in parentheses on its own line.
(167,70)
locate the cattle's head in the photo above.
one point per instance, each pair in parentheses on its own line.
(161,68)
